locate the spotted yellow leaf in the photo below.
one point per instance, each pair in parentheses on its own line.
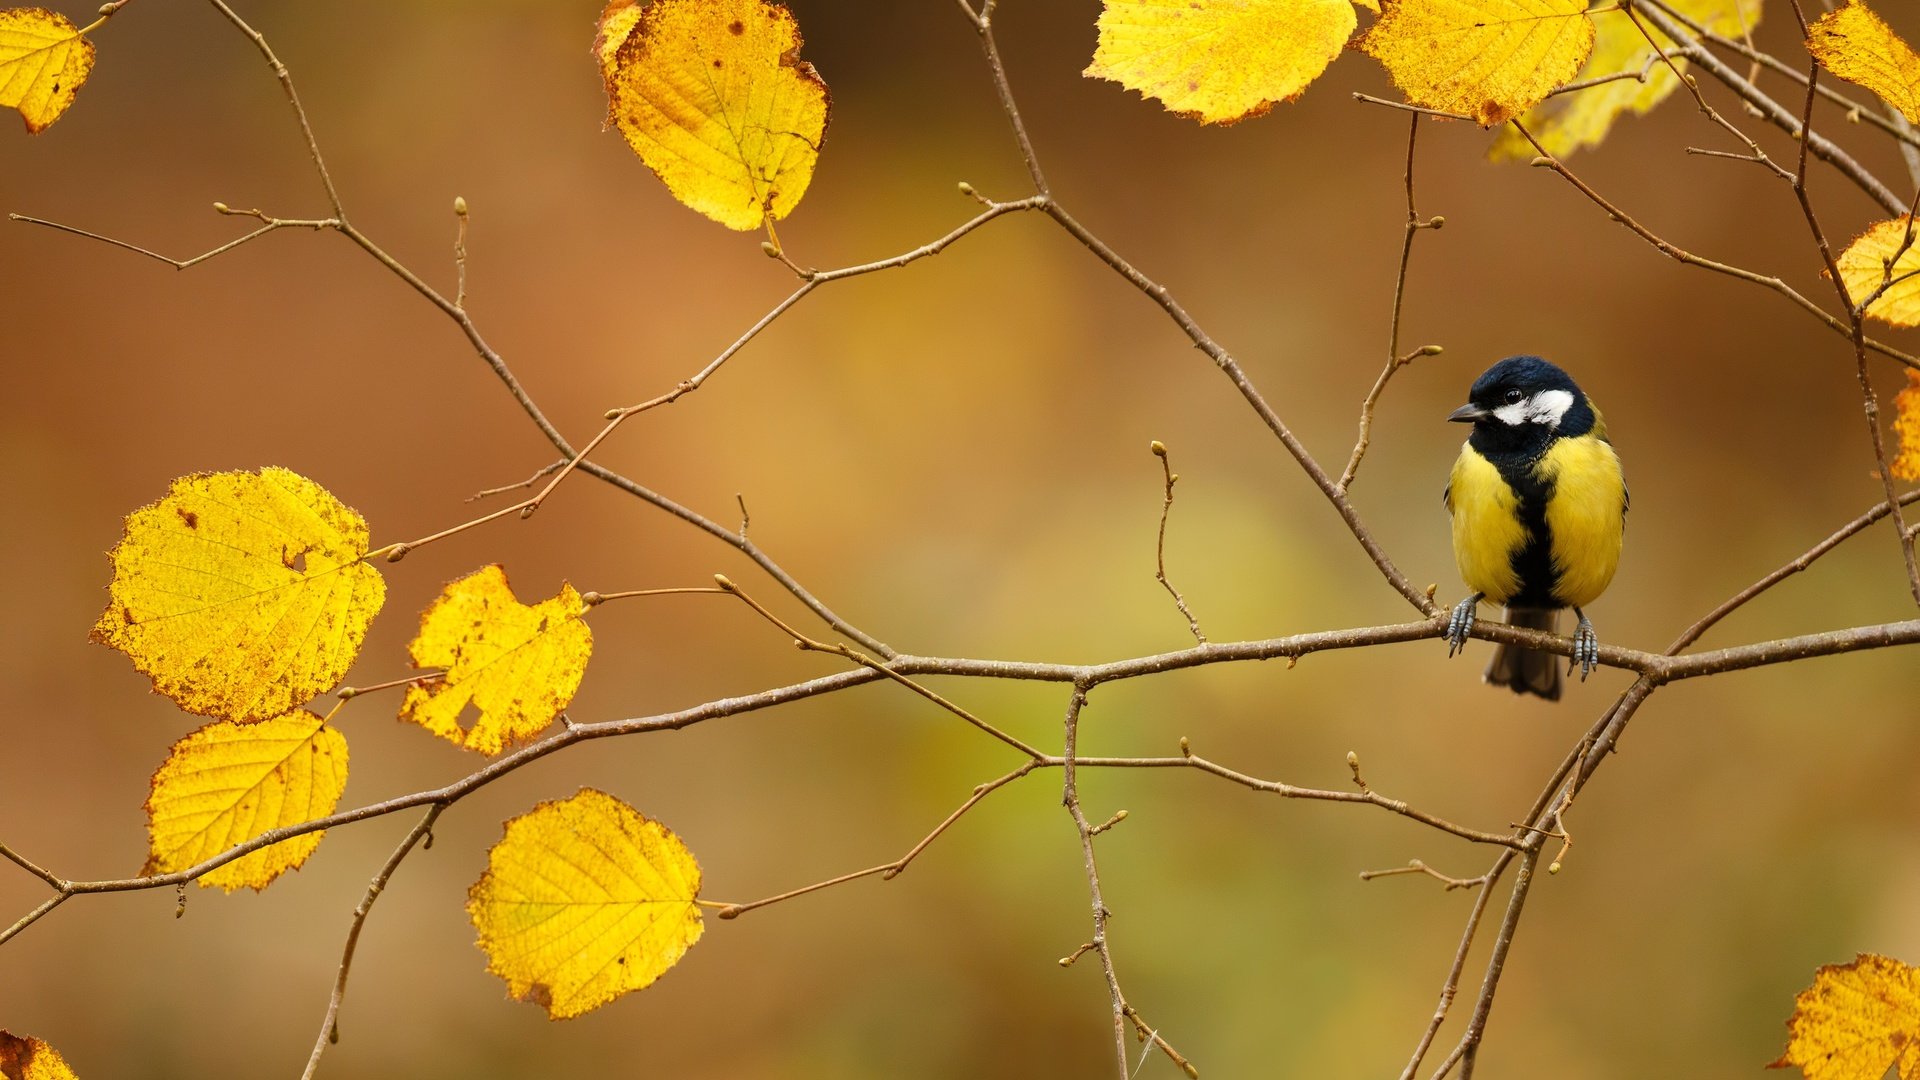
(1219,61)
(1885,256)
(1856,1021)
(30,1059)
(1857,45)
(1906,428)
(228,783)
(1568,122)
(516,666)
(1488,59)
(43,61)
(242,595)
(714,98)
(584,900)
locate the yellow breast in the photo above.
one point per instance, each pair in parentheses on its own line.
(1587,516)
(1486,530)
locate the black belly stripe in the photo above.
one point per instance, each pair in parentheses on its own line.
(1533,563)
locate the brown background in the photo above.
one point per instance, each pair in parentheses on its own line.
(955,456)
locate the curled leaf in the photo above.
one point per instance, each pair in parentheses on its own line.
(1488,59)
(584,900)
(227,783)
(714,98)
(43,61)
(242,595)
(1857,45)
(1219,61)
(28,1058)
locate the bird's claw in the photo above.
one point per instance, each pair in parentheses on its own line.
(1586,649)
(1460,622)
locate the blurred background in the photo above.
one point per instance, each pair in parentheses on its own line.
(955,457)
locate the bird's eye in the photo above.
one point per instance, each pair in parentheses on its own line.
(1515,396)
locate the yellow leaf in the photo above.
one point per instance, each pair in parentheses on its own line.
(1370,5)
(1489,59)
(31,1059)
(1906,425)
(227,783)
(1568,122)
(714,98)
(517,665)
(1863,267)
(584,900)
(43,61)
(616,22)
(1856,1021)
(1219,61)
(1855,44)
(242,595)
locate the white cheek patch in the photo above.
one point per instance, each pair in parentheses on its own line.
(1515,414)
(1549,407)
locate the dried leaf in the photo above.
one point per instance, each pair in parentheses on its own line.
(43,61)
(584,900)
(1569,122)
(242,595)
(30,1059)
(1489,59)
(1856,1021)
(517,665)
(714,98)
(1219,61)
(1864,269)
(1857,45)
(227,783)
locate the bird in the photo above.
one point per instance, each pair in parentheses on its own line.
(1539,509)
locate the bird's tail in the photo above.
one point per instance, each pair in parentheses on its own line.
(1527,671)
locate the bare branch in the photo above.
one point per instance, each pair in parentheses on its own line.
(329,1026)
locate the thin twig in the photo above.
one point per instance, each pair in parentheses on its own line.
(1796,565)
(329,1026)
(1415,866)
(890,870)
(1160,548)
(1686,258)
(460,253)
(272,225)
(1395,361)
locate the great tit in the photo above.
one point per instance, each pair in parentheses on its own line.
(1539,510)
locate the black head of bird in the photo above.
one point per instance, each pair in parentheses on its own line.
(1539,512)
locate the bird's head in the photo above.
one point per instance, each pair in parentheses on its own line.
(1523,401)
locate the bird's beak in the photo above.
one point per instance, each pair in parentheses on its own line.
(1467,414)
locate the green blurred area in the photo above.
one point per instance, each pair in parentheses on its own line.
(954,456)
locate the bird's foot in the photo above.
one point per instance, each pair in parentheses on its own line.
(1460,622)
(1586,648)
